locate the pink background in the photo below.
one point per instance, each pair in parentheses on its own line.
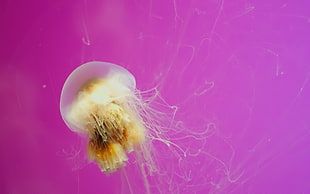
(238,72)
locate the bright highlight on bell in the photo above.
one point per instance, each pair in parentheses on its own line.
(96,99)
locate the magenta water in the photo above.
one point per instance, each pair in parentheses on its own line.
(235,75)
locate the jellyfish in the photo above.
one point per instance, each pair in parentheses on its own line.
(97,100)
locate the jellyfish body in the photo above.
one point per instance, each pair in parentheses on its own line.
(96,100)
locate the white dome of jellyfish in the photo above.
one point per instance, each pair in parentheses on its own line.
(97,100)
